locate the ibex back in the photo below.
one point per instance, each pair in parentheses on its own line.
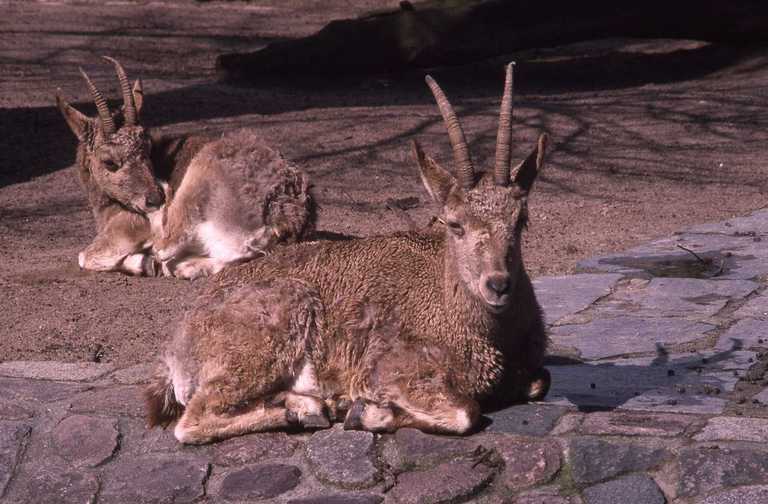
(413,329)
(213,201)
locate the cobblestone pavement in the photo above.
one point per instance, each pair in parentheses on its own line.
(658,392)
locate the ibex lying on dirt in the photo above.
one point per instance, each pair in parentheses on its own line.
(411,329)
(213,201)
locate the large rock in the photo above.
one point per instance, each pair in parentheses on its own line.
(527,461)
(117,400)
(43,483)
(13,439)
(593,460)
(757,494)
(339,499)
(343,458)
(636,488)
(415,449)
(566,295)
(734,429)
(450,482)
(703,470)
(155,479)
(85,440)
(638,424)
(14,389)
(258,482)
(744,334)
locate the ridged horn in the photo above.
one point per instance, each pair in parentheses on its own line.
(107,125)
(129,107)
(504,136)
(465,171)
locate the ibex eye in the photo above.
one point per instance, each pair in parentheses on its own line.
(455,228)
(110,165)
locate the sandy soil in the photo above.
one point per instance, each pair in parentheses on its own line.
(648,137)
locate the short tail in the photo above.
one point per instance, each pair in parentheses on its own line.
(160,399)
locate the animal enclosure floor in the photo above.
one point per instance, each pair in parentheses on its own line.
(647,137)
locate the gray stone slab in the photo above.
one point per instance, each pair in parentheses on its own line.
(755,494)
(134,375)
(16,389)
(343,458)
(704,470)
(339,499)
(254,448)
(51,370)
(650,384)
(689,298)
(593,459)
(117,400)
(565,295)
(416,449)
(10,410)
(59,484)
(756,222)
(745,333)
(762,396)
(13,438)
(636,488)
(757,308)
(527,461)
(611,337)
(525,419)
(734,429)
(86,441)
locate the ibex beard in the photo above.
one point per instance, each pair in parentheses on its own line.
(420,329)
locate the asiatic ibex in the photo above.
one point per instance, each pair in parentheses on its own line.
(212,200)
(413,329)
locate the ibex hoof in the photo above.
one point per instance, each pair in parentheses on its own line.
(354,419)
(539,386)
(315,422)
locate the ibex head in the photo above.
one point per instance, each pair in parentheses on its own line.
(484,214)
(118,159)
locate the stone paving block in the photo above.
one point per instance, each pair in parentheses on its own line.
(44,483)
(16,389)
(134,375)
(254,448)
(159,478)
(339,499)
(116,400)
(527,461)
(138,440)
(13,439)
(10,410)
(417,449)
(612,337)
(593,459)
(636,488)
(685,298)
(51,370)
(703,470)
(566,295)
(343,458)
(638,424)
(756,222)
(756,494)
(259,482)
(525,419)
(86,441)
(756,308)
(652,384)
(734,429)
(762,396)
(450,482)
(744,334)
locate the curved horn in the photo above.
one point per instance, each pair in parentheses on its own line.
(129,107)
(465,171)
(504,136)
(107,125)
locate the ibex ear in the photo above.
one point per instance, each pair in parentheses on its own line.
(76,121)
(437,180)
(138,96)
(529,169)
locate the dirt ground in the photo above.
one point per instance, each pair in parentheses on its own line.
(648,137)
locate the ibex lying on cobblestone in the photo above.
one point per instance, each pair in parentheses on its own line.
(213,201)
(411,329)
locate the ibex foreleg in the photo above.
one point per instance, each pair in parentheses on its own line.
(120,247)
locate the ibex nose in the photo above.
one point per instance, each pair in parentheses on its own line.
(155,199)
(498,283)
